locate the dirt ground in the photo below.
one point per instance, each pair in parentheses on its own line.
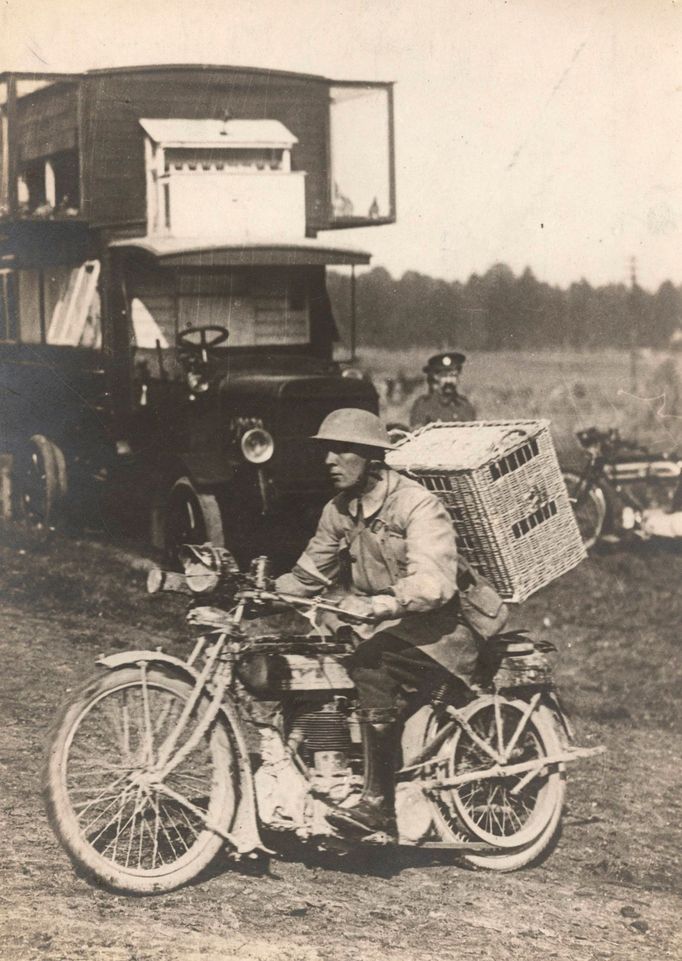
(610,891)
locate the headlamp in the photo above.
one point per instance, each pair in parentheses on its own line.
(257,445)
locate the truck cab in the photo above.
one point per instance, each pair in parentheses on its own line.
(166,336)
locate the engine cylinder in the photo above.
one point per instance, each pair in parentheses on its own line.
(323,728)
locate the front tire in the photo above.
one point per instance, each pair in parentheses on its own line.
(589,507)
(114,820)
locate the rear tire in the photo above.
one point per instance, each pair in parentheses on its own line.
(40,482)
(191,517)
(522,829)
(115,826)
(589,507)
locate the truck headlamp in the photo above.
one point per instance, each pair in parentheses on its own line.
(257,445)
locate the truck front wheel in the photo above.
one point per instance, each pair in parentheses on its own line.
(40,482)
(190,517)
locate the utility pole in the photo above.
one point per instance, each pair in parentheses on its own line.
(352,314)
(634,324)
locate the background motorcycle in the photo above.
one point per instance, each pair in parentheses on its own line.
(157,762)
(619,480)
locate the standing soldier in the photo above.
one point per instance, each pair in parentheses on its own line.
(443,402)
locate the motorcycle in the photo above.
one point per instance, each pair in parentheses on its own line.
(158,762)
(620,479)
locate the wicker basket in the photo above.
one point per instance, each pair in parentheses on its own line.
(501,484)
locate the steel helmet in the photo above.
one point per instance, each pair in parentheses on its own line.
(350,425)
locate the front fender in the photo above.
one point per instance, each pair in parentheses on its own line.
(210,468)
(563,723)
(244,829)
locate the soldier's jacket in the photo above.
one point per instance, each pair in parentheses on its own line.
(397,545)
(430,408)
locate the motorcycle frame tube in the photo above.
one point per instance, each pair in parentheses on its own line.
(244,830)
(614,485)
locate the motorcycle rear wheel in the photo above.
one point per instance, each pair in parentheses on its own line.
(589,507)
(127,832)
(522,829)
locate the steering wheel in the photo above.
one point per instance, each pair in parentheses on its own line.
(202,338)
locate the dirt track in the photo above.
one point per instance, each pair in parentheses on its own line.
(610,891)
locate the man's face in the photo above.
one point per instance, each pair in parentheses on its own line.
(347,465)
(446,382)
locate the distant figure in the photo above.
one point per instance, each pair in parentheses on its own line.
(443,402)
(664,390)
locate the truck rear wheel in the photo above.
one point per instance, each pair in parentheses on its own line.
(40,482)
(191,517)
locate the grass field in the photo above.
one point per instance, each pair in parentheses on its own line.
(574,390)
(610,892)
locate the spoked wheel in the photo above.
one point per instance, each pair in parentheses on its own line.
(589,507)
(191,517)
(40,482)
(117,816)
(519,813)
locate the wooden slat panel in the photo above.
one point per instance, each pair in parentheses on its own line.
(47,121)
(113,138)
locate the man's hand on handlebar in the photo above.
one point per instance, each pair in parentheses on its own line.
(351,609)
(358,609)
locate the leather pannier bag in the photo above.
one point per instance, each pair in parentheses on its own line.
(481,607)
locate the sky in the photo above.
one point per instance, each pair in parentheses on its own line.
(539,133)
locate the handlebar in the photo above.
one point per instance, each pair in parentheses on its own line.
(251,597)
(207,569)
(258,597)
(608,441)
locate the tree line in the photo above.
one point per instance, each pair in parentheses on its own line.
(500,311)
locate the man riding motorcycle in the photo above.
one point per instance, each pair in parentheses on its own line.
(386,546)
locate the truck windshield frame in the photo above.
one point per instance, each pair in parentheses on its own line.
(259,308)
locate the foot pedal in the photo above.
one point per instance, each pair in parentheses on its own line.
(379,837)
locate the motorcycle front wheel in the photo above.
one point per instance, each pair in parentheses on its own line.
(119,821)
(589,507)
(517,815)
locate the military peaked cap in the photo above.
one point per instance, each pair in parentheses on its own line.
(442,363)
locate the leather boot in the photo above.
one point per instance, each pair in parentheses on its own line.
(373,811)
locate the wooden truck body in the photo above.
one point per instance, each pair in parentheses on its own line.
(144,214)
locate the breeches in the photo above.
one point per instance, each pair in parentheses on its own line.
(387,671)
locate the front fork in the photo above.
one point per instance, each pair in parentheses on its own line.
(243,834)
